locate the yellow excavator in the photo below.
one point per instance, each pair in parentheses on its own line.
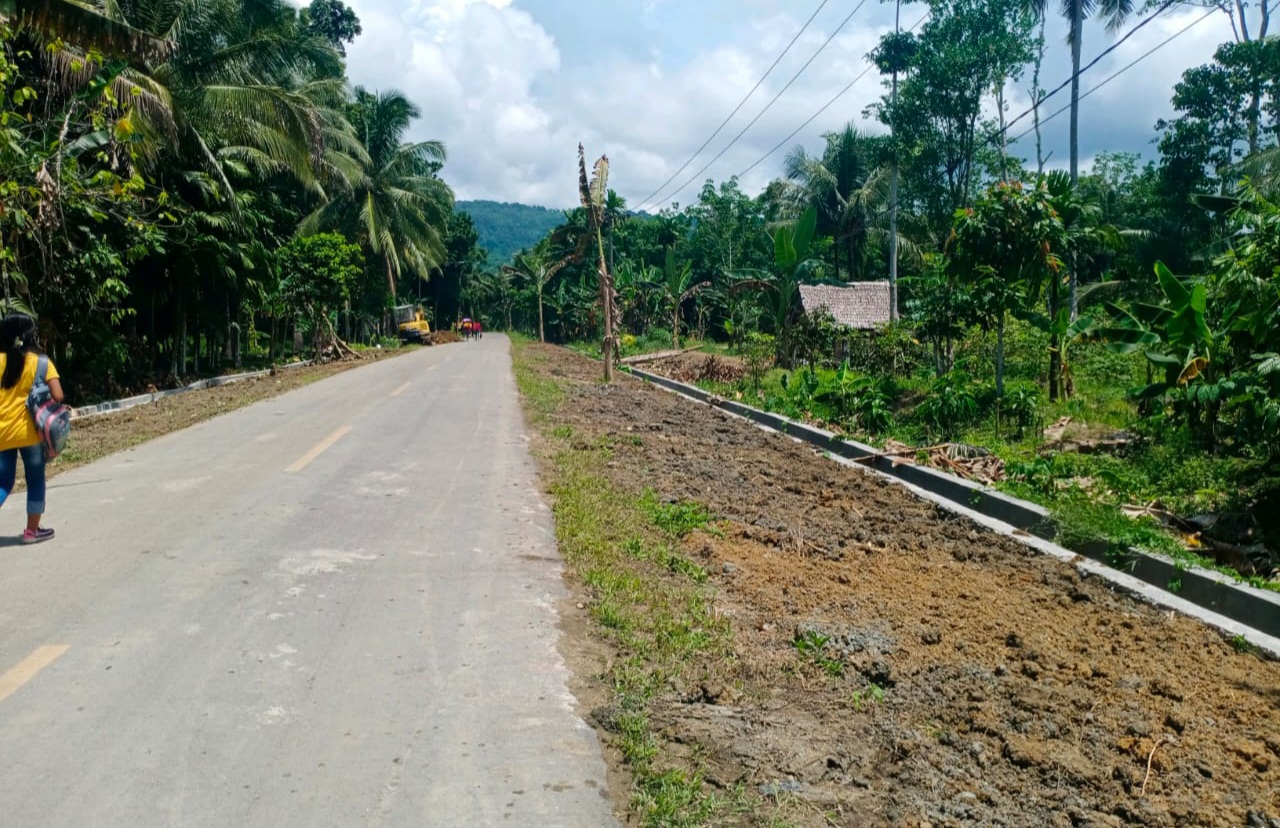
(411,324)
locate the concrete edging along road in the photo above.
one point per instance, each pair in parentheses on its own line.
(143,399)
(1207,595)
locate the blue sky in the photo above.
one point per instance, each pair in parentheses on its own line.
(512,86)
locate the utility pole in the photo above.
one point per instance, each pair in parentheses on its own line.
(893,176)
(1077,34)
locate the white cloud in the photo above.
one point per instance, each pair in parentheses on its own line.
(512,86)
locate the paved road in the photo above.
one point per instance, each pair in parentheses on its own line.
(331,609)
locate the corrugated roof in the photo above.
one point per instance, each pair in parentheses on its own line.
(861,305)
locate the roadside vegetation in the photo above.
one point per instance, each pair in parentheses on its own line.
(1106,344)
(646,598)
(189,189)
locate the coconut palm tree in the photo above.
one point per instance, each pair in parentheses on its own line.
(85,25)
(1115,13)
(228,83)
(851,195)
(392,194)
(538,267)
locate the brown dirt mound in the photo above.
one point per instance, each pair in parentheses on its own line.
(1013,691)
(443,337)
(696,366)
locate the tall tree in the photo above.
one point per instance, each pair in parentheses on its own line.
(1115,12)
(1005,248)
(1228,110)
(956,61)
(334,21)
(393,195)
(594,195)
(850,191)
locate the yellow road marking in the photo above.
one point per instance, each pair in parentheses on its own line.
(321,448)
(25,670)
(401,389)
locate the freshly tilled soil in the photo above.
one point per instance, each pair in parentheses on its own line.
(963,680)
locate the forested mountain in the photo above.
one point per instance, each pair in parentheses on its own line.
(506,229)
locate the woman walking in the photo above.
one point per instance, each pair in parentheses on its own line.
(18,434)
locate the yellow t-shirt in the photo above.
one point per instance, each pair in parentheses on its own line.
(16,427)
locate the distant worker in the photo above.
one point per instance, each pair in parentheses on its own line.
(477,329)
(18,434)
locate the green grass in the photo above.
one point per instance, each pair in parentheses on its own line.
(647,599)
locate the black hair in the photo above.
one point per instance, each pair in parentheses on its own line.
(18,338)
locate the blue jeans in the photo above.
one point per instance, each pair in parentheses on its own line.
(33,466)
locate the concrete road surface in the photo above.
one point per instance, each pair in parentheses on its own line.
(336,608)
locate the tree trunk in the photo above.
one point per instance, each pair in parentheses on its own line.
(182,338)
(675,326)
(542,337)
(1077,36)
(1055,368)
(1000,357)
(391,277)
(1035,99)
(1004,136)
(227,354)
(893,187)
(606,347)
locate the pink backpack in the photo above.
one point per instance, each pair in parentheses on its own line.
(52,419)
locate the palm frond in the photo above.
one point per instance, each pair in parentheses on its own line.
(85,26)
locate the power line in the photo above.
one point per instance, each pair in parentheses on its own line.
(769,105)
(815,115)
(1125,68)
(737,108)
(1087,66)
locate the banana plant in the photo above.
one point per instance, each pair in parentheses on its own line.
(791,261)
(1174,335)
(594,196)
(679,287)
(1064,332)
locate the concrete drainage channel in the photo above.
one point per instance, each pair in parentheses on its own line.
(1237,609)
(144,399)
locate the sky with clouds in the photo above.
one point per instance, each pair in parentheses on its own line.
(512,86)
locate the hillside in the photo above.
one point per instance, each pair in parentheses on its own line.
(506,229)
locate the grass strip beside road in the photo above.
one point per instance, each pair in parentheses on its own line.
(646,600)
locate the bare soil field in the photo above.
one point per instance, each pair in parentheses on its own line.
(945,676)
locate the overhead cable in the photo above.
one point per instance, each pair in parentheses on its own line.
(737,108)
(696,176)
(815,115)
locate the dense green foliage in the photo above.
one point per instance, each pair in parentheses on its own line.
(1140,300)
(163,165)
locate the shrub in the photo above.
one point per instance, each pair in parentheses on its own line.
(757,352)
(1021,407)
(950,405)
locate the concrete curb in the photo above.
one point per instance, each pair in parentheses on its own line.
(143,399)
(1214,598)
